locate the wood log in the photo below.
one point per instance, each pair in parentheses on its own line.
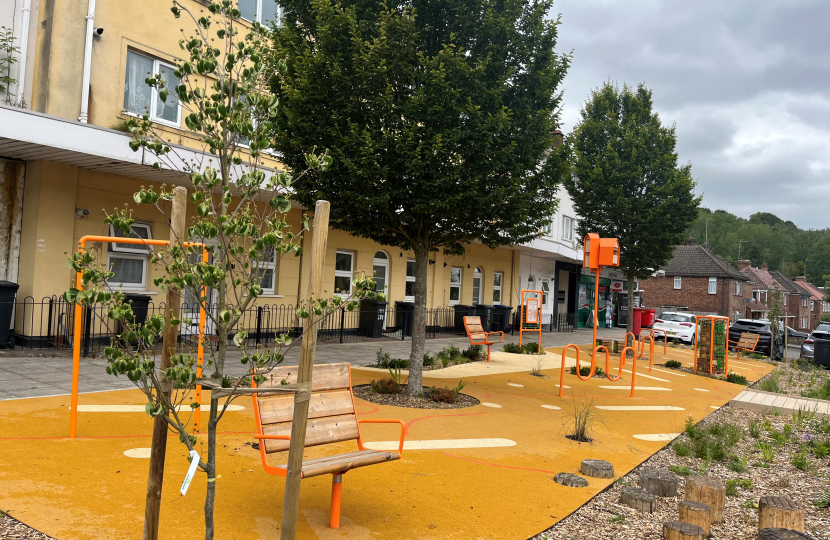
(659,482)
(710,491)
(638,499)
(676,530)
(780,513)
(698,514)
(597,468)
(782,534)
(570,480)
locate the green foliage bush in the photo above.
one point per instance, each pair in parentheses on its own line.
(799,460)
(585,370)
(712,441)
(822,392)
(682,449)
(682,470)
(770,383)
(474,352)
(673,364)
(754,428)
(736,379)
(387,385)
(527,348)
(385,361)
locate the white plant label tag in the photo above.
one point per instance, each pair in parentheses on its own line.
(194,462)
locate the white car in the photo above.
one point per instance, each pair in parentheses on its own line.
(673,325)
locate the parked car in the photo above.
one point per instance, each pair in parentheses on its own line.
(675,326)
(818,337)
(753,326)
(795,334)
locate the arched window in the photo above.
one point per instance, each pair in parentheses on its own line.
(477,286)
(380,266)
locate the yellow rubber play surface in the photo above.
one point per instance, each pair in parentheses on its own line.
(481,472)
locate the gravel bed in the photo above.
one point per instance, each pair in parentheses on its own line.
(11,529)
(604,517)
(364,391)
(795,379)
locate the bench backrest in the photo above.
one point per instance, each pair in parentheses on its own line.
(748,340)
(331,413)
(475,331)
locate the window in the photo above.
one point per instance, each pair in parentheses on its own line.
(803,322)
(713,285)
(737,287)
(128,262)
(343,273)
(546,229)
(455,285)
(545,292)
(803,301)
(784,298)
(380,267)
(477,286)
(812,305)
(497,277)
(269,267)
(678,282)
(567,228)
(140,99)
(262,11)
(409,294)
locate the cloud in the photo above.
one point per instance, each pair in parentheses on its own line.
(744,81)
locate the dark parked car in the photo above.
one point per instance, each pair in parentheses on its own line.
(795,334)
(760,327)
(818,339)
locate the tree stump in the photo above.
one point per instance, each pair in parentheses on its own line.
(676,530)
(597,468)
(782,534)
(570,480)
(780,512)
(658,482)
(698,514)
(638,499)
(707,490)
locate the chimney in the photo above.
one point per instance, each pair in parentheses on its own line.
(764,267)
(802,279)
(690,241)
(558,137)
(744,263)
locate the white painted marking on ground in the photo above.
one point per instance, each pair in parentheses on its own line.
(494,405)
(670,372)
(142,453)
(743,364)
(701,389)
(516,385)
(566,386)
(140,408)
(639,408)
(713,407)
(647,376)
(552,407)
(657,436)
(440,444)
(659,388)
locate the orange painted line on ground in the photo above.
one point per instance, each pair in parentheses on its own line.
(497,465)
(113,436)
(439,416)
(375,409)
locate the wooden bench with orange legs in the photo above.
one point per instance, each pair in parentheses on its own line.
(477,335)
(331,419)
(746,343)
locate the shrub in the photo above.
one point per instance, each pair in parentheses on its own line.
(770,383)
(712,441)
(512,348)
(673,364)
(736,379)
(754,428)
(737,464)
(767,451)
(387,385)
(428,360)
(682,449)
(822,392)
(682,470)
(584,370)
(444,395)
(778,437)
(474,352)
(821,449)
(824,499)
(799,461)
(530,348)
(732,486)
(802,416)
(384,360)
(583,417)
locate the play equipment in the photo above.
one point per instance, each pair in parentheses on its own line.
(477,335)
(531,315)
(711,353)
(332,419)
(76,343)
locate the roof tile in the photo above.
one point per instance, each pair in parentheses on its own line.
(698,261)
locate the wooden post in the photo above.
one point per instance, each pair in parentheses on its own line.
(677,530)
(710,491)
(291,501)
(173,301)
(696,513)
(780,513)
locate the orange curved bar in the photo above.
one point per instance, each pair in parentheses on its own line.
(608,366)
(633,368)
(593,365)
(650,350)
(562,372)
(383,421)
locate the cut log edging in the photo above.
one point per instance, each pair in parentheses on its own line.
(659,482)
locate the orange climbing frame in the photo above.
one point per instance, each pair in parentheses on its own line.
(76,342)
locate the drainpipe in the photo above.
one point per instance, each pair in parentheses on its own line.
(24,42)
(90,23)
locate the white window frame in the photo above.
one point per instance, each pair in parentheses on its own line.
(678,283)
(480,276)
(154,94)
(567,228)
(812,305)
(345,273)
(452,302)
(784,297)
(272,265)
(129,286)
(410,279)
(713,281)
(498,287)
(547,229)
(803,301)
(139,249)
(737,287)
(545,286)
(258,15)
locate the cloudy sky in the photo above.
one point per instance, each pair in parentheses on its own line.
(746,82)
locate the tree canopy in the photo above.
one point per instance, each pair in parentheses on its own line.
(439,115)
(626,182)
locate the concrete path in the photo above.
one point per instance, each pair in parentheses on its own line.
(43,373)
(758,401)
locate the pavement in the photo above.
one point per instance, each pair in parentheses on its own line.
(762,402)
(483,472)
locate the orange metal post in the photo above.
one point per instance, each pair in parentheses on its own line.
(633,369)
(712,346)
(201,349)
(562,372)
(336,494)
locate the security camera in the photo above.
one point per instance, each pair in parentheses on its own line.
(81,212)
(99,31)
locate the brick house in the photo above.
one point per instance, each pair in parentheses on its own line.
(814,302)
(762,285)
(796,302)
(695,279)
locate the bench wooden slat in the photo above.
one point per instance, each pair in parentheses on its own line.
(325,430)
(273,410)
(326,377)
(344,462)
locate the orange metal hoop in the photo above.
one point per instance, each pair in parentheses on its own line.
(608,367)
(562,372)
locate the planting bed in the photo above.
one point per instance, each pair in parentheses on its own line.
(798,378)
(364,391)
(11,529)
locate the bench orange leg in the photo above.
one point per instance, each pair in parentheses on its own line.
(488,353)
(336,491)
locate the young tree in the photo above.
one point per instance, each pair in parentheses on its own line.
(626,182)
(240,217)
(439,115)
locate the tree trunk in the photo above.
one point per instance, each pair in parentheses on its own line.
(210,496)
(416,358)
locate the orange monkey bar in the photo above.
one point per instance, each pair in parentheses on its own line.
(76,345)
